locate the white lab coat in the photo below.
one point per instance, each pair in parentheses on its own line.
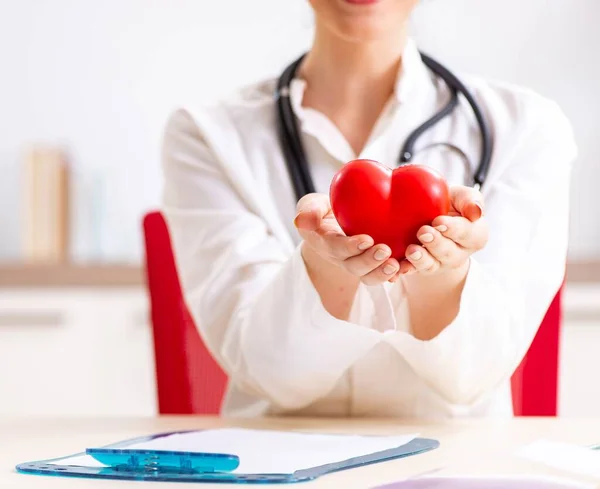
(229,205)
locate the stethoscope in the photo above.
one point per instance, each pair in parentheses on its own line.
(293,150)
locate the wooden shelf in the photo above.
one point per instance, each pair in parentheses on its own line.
(583,272)
(25,275)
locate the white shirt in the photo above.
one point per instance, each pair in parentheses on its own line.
(230,206)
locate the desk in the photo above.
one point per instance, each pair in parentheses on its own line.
(467,447)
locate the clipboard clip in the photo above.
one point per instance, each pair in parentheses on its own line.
(164,462)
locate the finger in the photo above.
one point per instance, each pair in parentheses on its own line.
(406,268)
(395,278)
(342,247)
(462,231)
(421,259)
(310,210)
(443,249)
(382,273)
(467,201)
(368,261)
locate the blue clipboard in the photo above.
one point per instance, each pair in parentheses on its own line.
(122,463)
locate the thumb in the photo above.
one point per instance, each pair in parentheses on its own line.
(310,210)
(473,211)
(468,202)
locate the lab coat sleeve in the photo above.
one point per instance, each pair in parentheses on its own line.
(512,281)
(249,294)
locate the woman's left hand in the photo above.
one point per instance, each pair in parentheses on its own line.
(450,240)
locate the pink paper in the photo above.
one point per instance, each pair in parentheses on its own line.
(483,483)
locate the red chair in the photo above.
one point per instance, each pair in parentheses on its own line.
(535,382)
(189,380)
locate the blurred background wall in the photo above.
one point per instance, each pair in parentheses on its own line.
(99,79)
(102,77)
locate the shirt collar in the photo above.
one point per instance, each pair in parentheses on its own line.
(413,76)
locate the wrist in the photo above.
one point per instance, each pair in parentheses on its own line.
(336,287)
(434,300)
(457,273)
(321,269)
(446,282)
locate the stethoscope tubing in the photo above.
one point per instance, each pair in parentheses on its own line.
(293,150)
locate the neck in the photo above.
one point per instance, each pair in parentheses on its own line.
(339,67)
(351,82)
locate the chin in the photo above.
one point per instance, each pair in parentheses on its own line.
(363,20)
(366,30)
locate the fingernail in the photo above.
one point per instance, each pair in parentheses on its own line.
(410,271)
(381,254)
(416,255)
(389,269)
(364,245)
(442,228)
(480,205)
(296,220)
(426,238)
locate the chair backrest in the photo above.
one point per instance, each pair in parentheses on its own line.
(189,381)
(535,382)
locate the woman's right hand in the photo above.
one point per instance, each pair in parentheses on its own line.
(327,249)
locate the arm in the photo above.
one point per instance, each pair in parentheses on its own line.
(336,287)
(250,296)
(511,282)
(442,262)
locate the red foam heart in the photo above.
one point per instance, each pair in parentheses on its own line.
(388,205)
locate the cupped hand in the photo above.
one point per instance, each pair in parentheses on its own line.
(325,244)
(450,240)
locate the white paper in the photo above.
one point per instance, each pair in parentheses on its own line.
(564,456)
(267,452)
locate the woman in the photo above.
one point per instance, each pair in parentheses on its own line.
(306,320)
